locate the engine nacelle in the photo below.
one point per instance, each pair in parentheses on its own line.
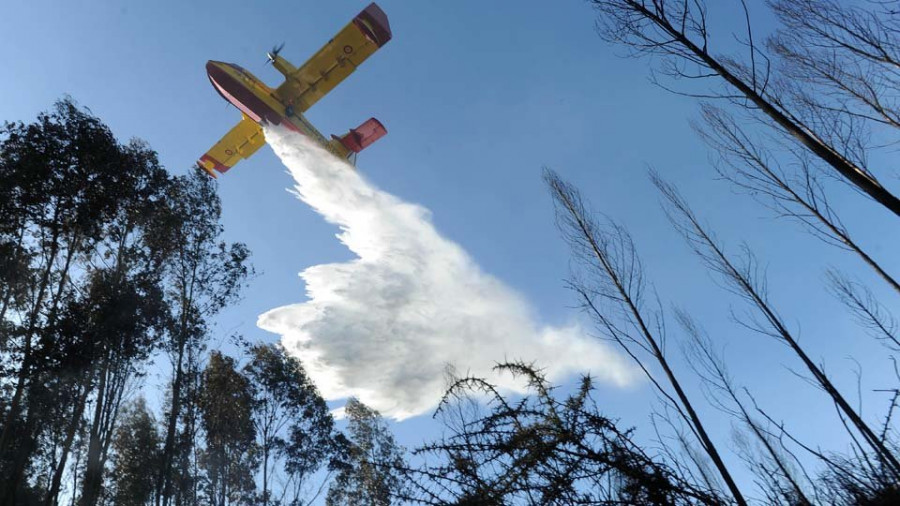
(361,137)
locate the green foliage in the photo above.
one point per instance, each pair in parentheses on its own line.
(292,421)
(201,275)
(80,303)
(137,450)
(371,468)
(226,404)
(105,259)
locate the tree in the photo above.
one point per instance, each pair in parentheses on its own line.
(611,289)
(226,404)
(57,170)
(746,280)
(202,275)
(105,259)
(826,85)
(845,56)
(370,471)
(771,464)
(131,313)
(825,94)
(797,194)
(292,422)
(75,206)
(678,32)
(119,335)
(136,449)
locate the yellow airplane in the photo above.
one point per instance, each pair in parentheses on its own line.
(301,88)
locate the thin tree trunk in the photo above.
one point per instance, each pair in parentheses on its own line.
(7,493)
(92,472)
(74,245)
(745,285)
(14,409)
(266,474)
(8,295)
(709,447)
(56,483)
(20,461)
(24,452)
(25,369)
(164,483)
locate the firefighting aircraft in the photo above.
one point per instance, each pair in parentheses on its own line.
(301,88)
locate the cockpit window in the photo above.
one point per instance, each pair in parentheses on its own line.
(246,75)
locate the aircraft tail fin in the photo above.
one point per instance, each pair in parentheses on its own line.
(361,137)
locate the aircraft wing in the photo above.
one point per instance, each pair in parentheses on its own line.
(362,36)
(240,142)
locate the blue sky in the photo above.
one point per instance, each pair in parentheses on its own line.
(477,97)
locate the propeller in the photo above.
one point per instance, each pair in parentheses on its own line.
(274,52)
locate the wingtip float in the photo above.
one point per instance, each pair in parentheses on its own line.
(302,88)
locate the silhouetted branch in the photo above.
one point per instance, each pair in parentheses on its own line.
(677,32)
(744,280)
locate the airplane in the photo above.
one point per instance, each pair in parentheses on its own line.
(302,87)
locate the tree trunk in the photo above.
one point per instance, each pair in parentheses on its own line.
(15,407)
(266,473)
(24,452)
(15,477)
(8,295)
(56,482)
(90,490)
(15,473)
(164,483)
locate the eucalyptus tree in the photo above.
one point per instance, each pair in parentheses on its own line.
(201,275)
(136,452)
(370,471)
(80,302)
(226,411)
(295,431)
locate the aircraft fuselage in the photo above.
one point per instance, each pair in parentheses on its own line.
(261,104)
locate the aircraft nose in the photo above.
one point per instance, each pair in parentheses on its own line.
(213,67)
(217,73)
(219,77)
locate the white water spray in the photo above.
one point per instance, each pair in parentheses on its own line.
(385,326)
